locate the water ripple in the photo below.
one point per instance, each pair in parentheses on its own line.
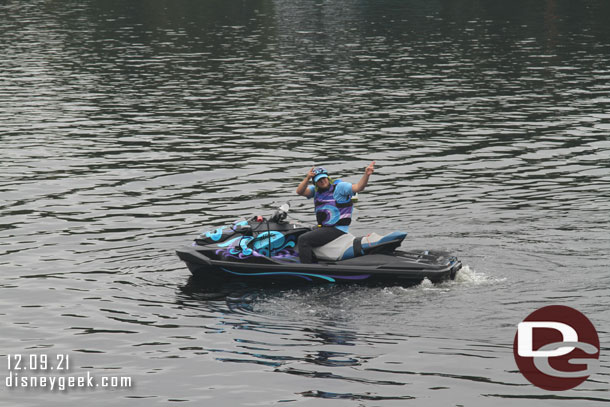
(125,132)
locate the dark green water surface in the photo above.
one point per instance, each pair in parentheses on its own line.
(128,127)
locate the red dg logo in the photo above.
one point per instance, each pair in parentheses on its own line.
(556,348)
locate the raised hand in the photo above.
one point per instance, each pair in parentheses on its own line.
(311,174)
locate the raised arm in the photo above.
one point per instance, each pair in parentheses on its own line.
(302,188)
(365,178)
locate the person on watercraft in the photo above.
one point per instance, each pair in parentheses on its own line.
(333,207)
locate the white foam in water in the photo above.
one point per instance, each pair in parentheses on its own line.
(466,276)
(426,283)
(469,276)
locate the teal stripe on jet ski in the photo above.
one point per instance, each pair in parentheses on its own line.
(229,242)
(277,273)
(216,234)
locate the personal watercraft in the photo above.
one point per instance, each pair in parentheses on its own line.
(261,250)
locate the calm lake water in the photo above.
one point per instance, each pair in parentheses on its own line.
(128,127)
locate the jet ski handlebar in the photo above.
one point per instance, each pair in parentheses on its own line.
(281,214)
(278,217)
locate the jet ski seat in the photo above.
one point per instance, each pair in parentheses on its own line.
(349,246)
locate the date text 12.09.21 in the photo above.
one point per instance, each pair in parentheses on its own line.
(38,361)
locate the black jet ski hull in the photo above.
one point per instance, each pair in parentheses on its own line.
(397,268)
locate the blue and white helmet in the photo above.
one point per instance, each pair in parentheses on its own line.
(319,173)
